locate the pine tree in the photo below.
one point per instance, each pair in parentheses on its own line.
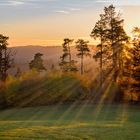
(135,62)
(98,33)
(67,64)
(18,72)
(109,30)
(131,74)
(116,36)
(6,57)
(37,62)
(136,66)
(82,48)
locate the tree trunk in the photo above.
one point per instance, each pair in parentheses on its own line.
(114,65)
(69,53)
(82,65)
(0,63)
(113,50)
(5,65)
(69,58)
(101,65)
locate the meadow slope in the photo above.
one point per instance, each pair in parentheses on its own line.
(71,122)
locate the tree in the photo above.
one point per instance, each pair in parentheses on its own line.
(109,30)
(6,57)
(131,74)
(82,48)
(116,36)
(19,72)
(37,62)
(67,64)
(98,33)
(136,67)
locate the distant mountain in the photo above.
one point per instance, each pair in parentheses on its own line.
(51,56)
(25,54)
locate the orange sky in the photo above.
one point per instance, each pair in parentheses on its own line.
(30,28)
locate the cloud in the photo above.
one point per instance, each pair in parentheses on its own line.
(62,12)
(74,9)
(104,1)
(16,3)
(33,3)
(11,3)
(68,10)
(120,2)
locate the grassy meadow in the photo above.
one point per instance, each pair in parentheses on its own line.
(60,106)
(71,122)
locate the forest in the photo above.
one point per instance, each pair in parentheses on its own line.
(117,80)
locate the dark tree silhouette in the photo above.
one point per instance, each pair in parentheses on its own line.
(132,67)
(6,57)
(99,33)
(109,29)
(18,72)
(83,50)
(37,62)
(67,64)
(136,67)
(116,36)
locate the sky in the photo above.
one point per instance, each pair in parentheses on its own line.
(47,22)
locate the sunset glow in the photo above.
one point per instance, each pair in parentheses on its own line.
(47,22)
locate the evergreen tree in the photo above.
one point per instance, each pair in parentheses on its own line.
(19,72)
(131,73)
(116,36)
(99,32)
(136,67)
(6,57)
(67,64)
(109,30)
(37,62)
(82,48)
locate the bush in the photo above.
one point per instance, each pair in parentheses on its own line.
(33,90)
(3,103)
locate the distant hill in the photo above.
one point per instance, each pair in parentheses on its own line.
(51,56)
(25,54)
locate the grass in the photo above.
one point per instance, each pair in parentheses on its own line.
(71,122)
